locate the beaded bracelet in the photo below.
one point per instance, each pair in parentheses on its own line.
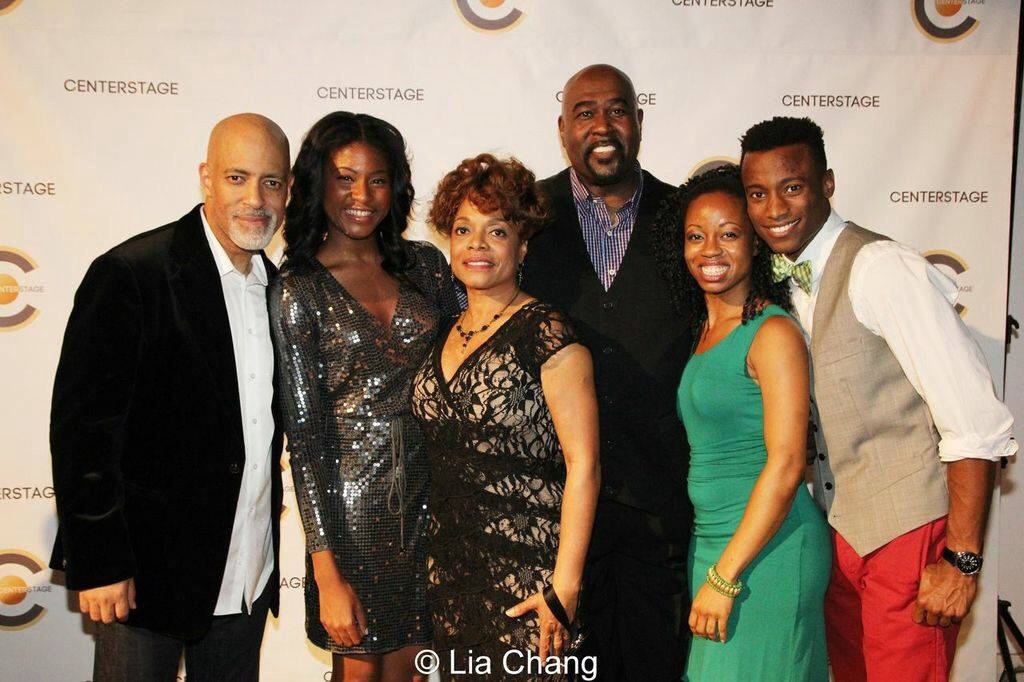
(721,585)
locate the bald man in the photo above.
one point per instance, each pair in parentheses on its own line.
(596,260)
(165,443)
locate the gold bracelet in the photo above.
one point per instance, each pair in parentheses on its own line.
(721,585)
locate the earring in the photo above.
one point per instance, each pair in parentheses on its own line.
(519,274)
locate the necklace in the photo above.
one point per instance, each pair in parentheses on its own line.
(467,336)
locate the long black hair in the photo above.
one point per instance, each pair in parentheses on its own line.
(686,294)
(306,223)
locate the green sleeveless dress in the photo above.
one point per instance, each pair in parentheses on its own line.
(777,625)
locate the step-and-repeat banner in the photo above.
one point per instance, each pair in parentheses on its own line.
(106,106)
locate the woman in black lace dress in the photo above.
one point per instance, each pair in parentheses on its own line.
(506,400)
(354,312)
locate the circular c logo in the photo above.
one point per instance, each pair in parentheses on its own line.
(489,15)
(944,8)
(711,163)
(14,590)
(8,5)
(949,261)
(10,290)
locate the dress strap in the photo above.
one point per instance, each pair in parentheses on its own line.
(396,488)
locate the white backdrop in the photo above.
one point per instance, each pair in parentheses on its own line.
(106,107)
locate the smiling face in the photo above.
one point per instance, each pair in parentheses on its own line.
(787,196)
(600,126)
(718,245)
(245,182)
(485,250)
(357,190)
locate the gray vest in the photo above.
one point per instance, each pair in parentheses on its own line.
(877,435)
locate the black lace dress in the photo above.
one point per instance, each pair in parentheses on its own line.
(497,477)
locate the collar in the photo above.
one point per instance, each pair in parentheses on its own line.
(583,196)
(820,248)
(223,261)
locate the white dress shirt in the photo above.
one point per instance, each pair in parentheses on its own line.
(898,295)
(251,552)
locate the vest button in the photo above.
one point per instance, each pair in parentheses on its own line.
(821,456)
(608,305)
(233,468)
(828,485)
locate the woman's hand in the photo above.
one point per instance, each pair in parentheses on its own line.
(709,614)
(552,638)
(342,615)
(341,612)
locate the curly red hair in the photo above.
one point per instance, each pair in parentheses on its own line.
(492,185)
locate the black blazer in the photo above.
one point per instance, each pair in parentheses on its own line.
(145,430)
(638,342)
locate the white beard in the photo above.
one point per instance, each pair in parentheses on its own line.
(252,240)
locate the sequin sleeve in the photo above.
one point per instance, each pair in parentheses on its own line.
(439,275)
(296,337)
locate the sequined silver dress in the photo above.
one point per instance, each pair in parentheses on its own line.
(358,458)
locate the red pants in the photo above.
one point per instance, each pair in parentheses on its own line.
(868,608)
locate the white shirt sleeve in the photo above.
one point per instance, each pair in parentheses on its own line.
(901,297)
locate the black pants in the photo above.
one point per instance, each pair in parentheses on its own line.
(228,652)
(636,600)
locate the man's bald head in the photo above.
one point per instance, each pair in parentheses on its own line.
(248,128)
(599,72)
(245,182)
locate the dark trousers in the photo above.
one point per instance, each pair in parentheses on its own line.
(228,652)
(636,601)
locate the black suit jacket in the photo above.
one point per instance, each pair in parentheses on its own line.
(146,433)
(638,342)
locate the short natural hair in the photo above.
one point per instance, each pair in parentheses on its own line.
(783,131)
(492,185)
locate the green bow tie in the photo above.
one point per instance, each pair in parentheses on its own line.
(782,268)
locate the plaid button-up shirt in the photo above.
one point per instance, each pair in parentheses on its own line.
(606,242)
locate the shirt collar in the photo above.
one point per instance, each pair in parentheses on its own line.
(583,196)
(220,256)
(820,247)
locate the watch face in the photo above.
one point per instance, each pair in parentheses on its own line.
(968,562)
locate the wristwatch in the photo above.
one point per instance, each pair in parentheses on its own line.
(966,562)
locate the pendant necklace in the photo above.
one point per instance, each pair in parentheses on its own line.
(468,335)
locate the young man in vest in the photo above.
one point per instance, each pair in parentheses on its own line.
(596,261)
(910,428)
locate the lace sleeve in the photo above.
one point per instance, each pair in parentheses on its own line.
(551,332)
(296,339)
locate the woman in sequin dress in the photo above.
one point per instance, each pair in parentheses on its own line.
(354,312)
(508,407)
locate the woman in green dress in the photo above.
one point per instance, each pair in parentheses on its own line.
(760,556)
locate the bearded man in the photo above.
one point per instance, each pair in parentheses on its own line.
(165,443)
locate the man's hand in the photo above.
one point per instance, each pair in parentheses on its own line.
(108,603)
(945,595)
